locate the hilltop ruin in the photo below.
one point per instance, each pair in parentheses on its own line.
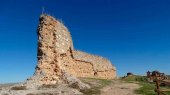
(57,57)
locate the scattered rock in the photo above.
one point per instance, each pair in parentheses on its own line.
(74,82)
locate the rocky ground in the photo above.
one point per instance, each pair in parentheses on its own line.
(61,89)
(98,87)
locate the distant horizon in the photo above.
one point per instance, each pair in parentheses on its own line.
(133,35)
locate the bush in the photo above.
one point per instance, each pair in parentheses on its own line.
(19,88)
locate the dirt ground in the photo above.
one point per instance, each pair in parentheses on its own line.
(120,88)
(116,87)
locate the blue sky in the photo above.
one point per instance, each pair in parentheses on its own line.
(133,34)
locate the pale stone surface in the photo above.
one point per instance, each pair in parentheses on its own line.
(57,55)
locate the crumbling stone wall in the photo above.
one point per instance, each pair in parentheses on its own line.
(56,54)
(102,68)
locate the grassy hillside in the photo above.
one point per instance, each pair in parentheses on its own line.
(136,78)
(147,88)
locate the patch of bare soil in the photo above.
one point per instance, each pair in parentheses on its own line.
(120,88)
(98,87)
(61,89)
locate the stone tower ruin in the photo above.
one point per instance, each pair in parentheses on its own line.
(56,55)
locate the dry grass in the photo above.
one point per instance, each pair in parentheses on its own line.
(48,86)
(42,94)
(96,85)
(19,88)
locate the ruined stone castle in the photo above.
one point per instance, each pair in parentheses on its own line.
(56,55)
